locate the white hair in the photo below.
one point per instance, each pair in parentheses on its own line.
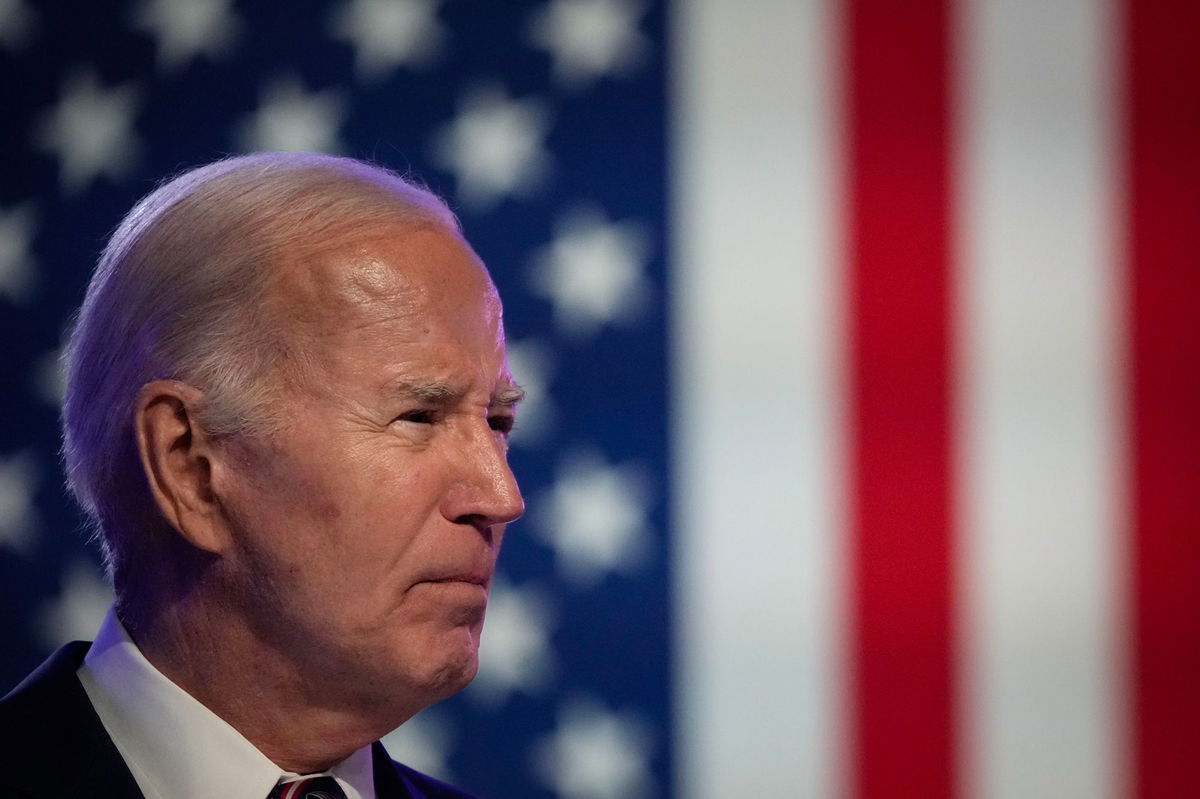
(177,294)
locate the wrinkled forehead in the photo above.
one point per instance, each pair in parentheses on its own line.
(380,274)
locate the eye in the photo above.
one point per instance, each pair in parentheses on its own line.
(502,424)
(419,416)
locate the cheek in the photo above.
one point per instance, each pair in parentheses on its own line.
(360,512)
(320,481)
(370,518)
(286,514)
(396,485)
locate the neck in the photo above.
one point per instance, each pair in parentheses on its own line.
(300,722)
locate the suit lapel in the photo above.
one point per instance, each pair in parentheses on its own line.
(388,782)
(58,746)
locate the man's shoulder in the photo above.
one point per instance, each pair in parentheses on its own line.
(48,690)
(394,779)
(52,743)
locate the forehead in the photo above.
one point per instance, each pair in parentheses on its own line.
(385,295)
(416,266)
(385,273)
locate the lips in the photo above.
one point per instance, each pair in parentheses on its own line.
(479,578)
(479,581)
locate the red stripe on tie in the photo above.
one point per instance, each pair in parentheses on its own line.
(1163,174)
(902,737)
(294,789)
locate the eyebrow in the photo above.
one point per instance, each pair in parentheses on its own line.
(442,394)
(508,396)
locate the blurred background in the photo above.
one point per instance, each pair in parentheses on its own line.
(862,449)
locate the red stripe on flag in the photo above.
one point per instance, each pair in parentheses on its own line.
(1163,102)
(898,248)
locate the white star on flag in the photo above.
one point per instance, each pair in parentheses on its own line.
(290,119)
(595,754)
(77,612)
(531,361)
(423,742)
(589,38)
(594,517)
(50,377)
(387,34)
(593,272)
(185,29)
(18,519)
(16,263)
(91,131)
(495,147)
(16,21)
(515,654)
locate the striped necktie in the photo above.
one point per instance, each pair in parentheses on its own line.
(320,787)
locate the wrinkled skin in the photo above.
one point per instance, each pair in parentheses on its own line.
(368,528)
(330,576)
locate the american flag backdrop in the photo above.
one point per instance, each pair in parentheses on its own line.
(862,451)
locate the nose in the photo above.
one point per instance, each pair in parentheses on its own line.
(486,493)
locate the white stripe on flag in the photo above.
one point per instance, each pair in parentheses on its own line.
(757,431)
(1039,324)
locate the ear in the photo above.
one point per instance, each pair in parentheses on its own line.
(176,458)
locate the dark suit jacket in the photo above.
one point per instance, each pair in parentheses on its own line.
(54,746)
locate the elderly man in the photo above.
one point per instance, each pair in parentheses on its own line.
(287,411)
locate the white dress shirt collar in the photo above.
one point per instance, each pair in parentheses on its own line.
(176,747)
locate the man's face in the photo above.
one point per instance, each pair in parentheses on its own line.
(365,532)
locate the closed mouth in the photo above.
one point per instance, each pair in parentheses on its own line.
(472,579)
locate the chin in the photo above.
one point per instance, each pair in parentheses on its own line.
(447,668)
(459,677)
(394,695)
(460,668)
